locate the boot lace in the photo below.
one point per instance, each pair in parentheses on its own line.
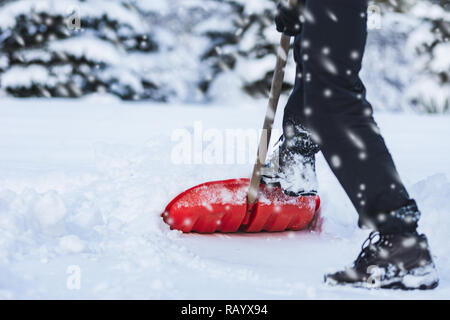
(369,248)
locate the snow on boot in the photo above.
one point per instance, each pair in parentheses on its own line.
(292,166)
(396,261)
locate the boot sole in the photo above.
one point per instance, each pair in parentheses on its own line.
(425,278)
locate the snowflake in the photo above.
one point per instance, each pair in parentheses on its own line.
(336,161)
(332,16)
(368,112)
(354,54)
(308,77)
(327,93)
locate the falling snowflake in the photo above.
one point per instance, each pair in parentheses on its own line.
(354,54)
(329,65)
(327,93)
(332,16)
(357,141)
(308,77)
(368,112)
(336,161)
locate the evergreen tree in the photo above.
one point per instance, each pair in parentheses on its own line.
(200,50)
(430,42)
(249,49)
(71,48)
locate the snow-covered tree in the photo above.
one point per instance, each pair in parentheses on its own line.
(199,50)
(422,28)
(430,91)
(71,48)
(188,33)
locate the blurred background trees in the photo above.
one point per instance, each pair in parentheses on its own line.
(206,50)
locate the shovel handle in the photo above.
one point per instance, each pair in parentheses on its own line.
(275,91)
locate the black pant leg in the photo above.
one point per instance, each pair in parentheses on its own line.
(294,110)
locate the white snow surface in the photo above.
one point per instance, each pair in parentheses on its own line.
(83,184)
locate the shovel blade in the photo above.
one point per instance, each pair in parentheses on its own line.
(221,206)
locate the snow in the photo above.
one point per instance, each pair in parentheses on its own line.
(25,76)
(256,6)
(432,95)
(441,61)
(424,9)
(90,47)
(94,8)
(83,184)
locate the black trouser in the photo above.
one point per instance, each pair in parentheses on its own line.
(329,99)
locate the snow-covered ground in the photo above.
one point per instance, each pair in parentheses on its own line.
(83,183)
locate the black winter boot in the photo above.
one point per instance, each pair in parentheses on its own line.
(397,261)
(293,167)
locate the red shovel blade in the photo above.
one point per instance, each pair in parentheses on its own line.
(221,206)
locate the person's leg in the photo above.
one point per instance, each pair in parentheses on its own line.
(294,110)
(336,112)
(329,102)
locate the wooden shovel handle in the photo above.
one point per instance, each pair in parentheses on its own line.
(275,91)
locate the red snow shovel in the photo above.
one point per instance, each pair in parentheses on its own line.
(243,204)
